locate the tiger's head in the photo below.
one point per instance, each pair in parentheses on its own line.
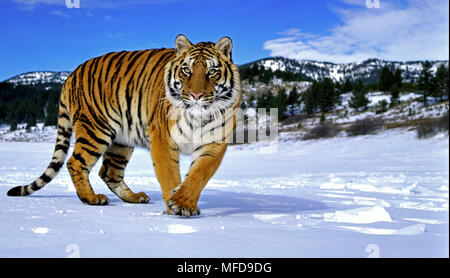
(202,78)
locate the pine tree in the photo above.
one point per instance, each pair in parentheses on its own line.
(279,102)
(426,82)
(359,99)
(347,87)
(31,122)
(395,94)
(338,86)
(266,76)
(13,126)
(293,100)
(338,91)
(51,117)
(310,98)
(327,95)
(398,80)
(442,82)
(3,114)
(322,118)
(265,100)
(386,79)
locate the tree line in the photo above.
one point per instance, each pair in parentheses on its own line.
(36,103)
(259,73)
(323,95)
(28,104)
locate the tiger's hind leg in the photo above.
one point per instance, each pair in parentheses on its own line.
(115,160)
(89,146)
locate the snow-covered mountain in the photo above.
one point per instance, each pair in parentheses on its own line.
(39,77)
(369,70)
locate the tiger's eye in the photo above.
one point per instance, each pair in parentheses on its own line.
(187,70)
(212,72)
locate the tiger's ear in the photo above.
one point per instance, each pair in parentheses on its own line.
(181,43)
(224,45)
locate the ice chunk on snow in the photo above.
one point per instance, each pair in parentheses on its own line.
(362,215)
(364,201)
(412,230)
(370,231)
(267,217)
(40,230)
(426,221)
(180,229)
(383,189)
(332,185)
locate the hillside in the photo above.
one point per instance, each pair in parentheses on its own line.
(266,76)
(39,77)
(408,114)
(369,70)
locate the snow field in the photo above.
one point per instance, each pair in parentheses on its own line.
(337,197)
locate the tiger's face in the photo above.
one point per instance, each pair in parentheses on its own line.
(202,79)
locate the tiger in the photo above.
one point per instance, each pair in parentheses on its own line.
(168,100)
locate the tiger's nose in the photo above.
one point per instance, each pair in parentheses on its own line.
(197,95)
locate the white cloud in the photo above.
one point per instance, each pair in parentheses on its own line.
(416,31)
(60,14)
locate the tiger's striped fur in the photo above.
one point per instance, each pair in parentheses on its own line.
(170,100)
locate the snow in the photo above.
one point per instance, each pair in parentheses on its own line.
(273,65)
(412,230)
(40,230)
(361,215)
(339,197)
(410,108)
(180,229)
(38,133)
(340,72)
(38,77)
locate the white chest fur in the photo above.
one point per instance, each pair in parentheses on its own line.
(192,131)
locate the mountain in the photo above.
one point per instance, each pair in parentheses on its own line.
(39,77)
(369,70)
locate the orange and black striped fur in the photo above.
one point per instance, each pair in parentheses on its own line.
(170,100)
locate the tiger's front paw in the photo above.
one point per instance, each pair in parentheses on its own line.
(140,197)
(95,200)
(182,202)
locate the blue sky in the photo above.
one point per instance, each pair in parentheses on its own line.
(46,35)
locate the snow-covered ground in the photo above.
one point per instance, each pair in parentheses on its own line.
(38,133)
(409,109)
(382,195)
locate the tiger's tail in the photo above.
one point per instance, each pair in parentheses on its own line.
(59,154)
